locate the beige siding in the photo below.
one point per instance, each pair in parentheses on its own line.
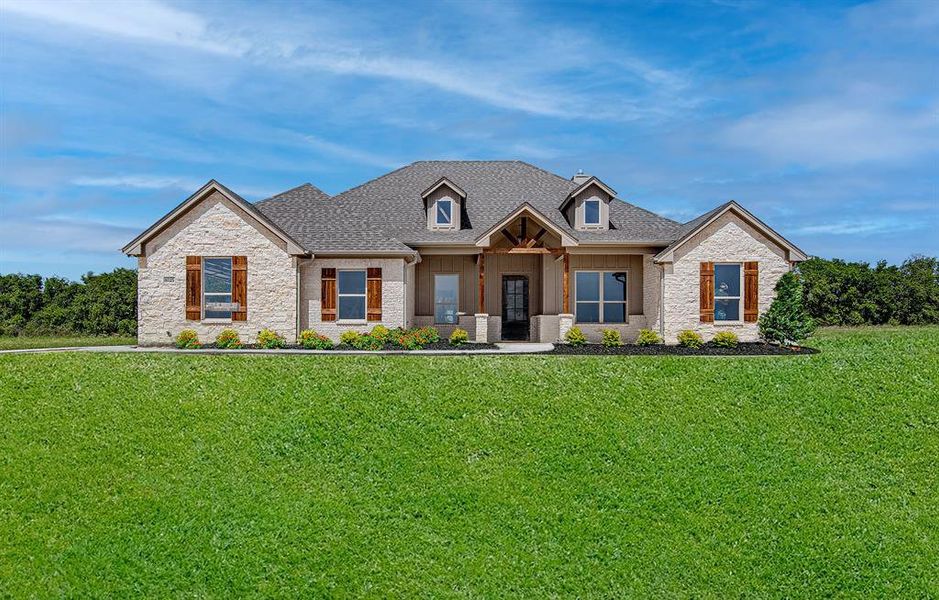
(553,278)
(462,265)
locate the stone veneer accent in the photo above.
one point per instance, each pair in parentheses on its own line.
(393,306)
(726,240)
(215,227)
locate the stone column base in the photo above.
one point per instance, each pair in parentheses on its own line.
(565,322)
(482,328)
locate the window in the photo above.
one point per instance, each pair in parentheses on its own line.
(351,292)
(600,296)
(592,212)
(446,290)
(444,214)
(727,292)
(216,288)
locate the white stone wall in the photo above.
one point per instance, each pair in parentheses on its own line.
(214,228)
(726,240)
(393,294)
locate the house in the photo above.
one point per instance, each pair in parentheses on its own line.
(502,249)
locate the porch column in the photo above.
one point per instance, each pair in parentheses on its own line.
(565,319)
(482,318)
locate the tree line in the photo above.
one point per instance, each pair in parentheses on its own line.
(835,292)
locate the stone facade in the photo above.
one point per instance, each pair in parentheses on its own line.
(393,291)
(728,239)
(215,227)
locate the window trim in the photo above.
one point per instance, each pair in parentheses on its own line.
(231,290)
(600,301)
(363,295)
(437,223)
(457,304)
(599,221)
(738,298)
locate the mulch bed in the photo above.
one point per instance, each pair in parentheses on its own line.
(742,349)
(441,345)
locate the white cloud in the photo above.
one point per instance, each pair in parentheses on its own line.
(859,227)
(345,152)
(836,132)
(143,182)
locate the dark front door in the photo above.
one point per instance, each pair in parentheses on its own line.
(514,307)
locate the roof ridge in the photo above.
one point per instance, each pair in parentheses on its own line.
(278,197)
(374,179)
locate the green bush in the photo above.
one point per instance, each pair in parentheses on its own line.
(380,333)
(725,339)
(459,337)
(575,337)
(188,339)
(426,335)
(349,337)
(367,342)
(228,339)
(311,340)
(787,322)
(690,339)
(648,337)
(611,338)
(406,339)
(270,339)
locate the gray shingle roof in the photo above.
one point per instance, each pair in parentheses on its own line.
(386,214)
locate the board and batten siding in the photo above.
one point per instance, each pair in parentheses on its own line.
(458,264)
(498,265)
(554,273)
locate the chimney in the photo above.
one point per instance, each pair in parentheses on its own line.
(580,177)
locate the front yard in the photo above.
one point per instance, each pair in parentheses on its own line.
(480,476)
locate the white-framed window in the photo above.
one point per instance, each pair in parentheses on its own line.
(350,288)
(728,283)
(600,296)
(446,294)
(592,211)
(443,213)
(216,288)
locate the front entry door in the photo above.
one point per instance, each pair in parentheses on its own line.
(514,307)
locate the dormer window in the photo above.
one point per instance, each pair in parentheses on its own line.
(592,212)
(444,212)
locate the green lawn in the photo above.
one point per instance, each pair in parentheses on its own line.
(16,343)
(488,476)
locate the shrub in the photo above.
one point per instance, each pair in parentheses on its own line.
(725,339)
(367,342)
(380,333)
(311,340)
(690,339)
(611,338)
(575,337)
(349,337)
(270,339)
(228,338)
(648,337)
(406,340)
(188,339)
(787,322)
(427,335)
(459,337)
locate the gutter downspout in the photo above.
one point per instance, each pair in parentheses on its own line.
(662,301)
(297,308)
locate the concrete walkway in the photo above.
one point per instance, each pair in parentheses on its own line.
(501,348)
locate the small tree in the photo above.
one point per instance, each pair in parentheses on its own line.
(787,322)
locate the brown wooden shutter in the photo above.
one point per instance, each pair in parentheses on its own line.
(328,295)
(751,291)
(707,292)
(373,294)
(239,287)
(193,288)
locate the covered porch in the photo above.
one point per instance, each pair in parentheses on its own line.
(519,283)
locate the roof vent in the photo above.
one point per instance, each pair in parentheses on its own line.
(580,177)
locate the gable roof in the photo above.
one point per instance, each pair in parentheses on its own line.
(135,246)
(443,181)
(592,180)
(695,225)
(566,238)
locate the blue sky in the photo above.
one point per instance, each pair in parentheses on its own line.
(822,118)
